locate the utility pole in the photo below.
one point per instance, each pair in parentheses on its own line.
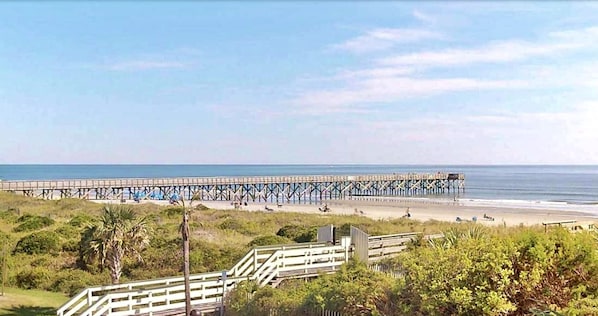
(185,232)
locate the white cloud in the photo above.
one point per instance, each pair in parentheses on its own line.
(384,38)
(498,52)
(506,51)
(386,89)
(393,79)
(580,35)
(565,136)
(134,65)
(423,17)
(373,72)
(181,58)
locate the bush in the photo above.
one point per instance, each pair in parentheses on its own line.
(298,233)
(32,222)
(475,272)
(241,226)
(41,261)
(10,215)
(38,243)
(71,245)
(213,257)
(201,207)
(5,238)
(68,231)
(173,212)
(72,281)
(157,263)
(343,230)
(268,240)
(81,220)
(354,290)
(248,299)
(35,278)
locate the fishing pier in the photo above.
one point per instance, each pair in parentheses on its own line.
(281,189)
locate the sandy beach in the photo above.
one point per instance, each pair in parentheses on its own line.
(422,209)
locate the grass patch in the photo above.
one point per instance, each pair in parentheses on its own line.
(30,302)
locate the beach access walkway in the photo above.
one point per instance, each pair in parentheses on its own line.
(267,266)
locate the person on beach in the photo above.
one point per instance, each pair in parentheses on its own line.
(490,218)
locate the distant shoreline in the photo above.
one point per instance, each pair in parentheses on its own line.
(419,209)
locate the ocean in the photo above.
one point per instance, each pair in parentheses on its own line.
(546,185)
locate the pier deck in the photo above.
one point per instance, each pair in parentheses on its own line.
(256,189)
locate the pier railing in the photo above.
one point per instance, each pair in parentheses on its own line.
(17,185)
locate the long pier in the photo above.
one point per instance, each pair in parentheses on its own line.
(282,189)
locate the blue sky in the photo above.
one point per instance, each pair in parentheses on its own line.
(299,82)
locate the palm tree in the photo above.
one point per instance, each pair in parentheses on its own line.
(117,235)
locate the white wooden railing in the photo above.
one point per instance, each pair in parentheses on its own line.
(261,264)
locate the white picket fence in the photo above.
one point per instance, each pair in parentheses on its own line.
(261,264)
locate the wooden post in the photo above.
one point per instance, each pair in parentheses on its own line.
(223,293)
(185,231)
(4,259)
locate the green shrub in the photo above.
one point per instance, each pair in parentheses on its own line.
(173,212)
(298,233)
(32,222)
(343,230)
(213,257)
(38,243)
(231,224)
(5,238)
(157,262)
(237,300)
(69,204)
(34,278)
(353,290)
(71,245)
(41,261)
(478,272)
(68,231)
(268,240)
(201,207)
(241,226)
(72,281)
(10,215)
(81,220)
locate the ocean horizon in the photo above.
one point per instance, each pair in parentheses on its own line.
(556,184)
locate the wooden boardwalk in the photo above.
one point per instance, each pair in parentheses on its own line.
(265,265)
(283,189)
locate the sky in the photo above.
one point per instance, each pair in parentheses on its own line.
(285,82)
